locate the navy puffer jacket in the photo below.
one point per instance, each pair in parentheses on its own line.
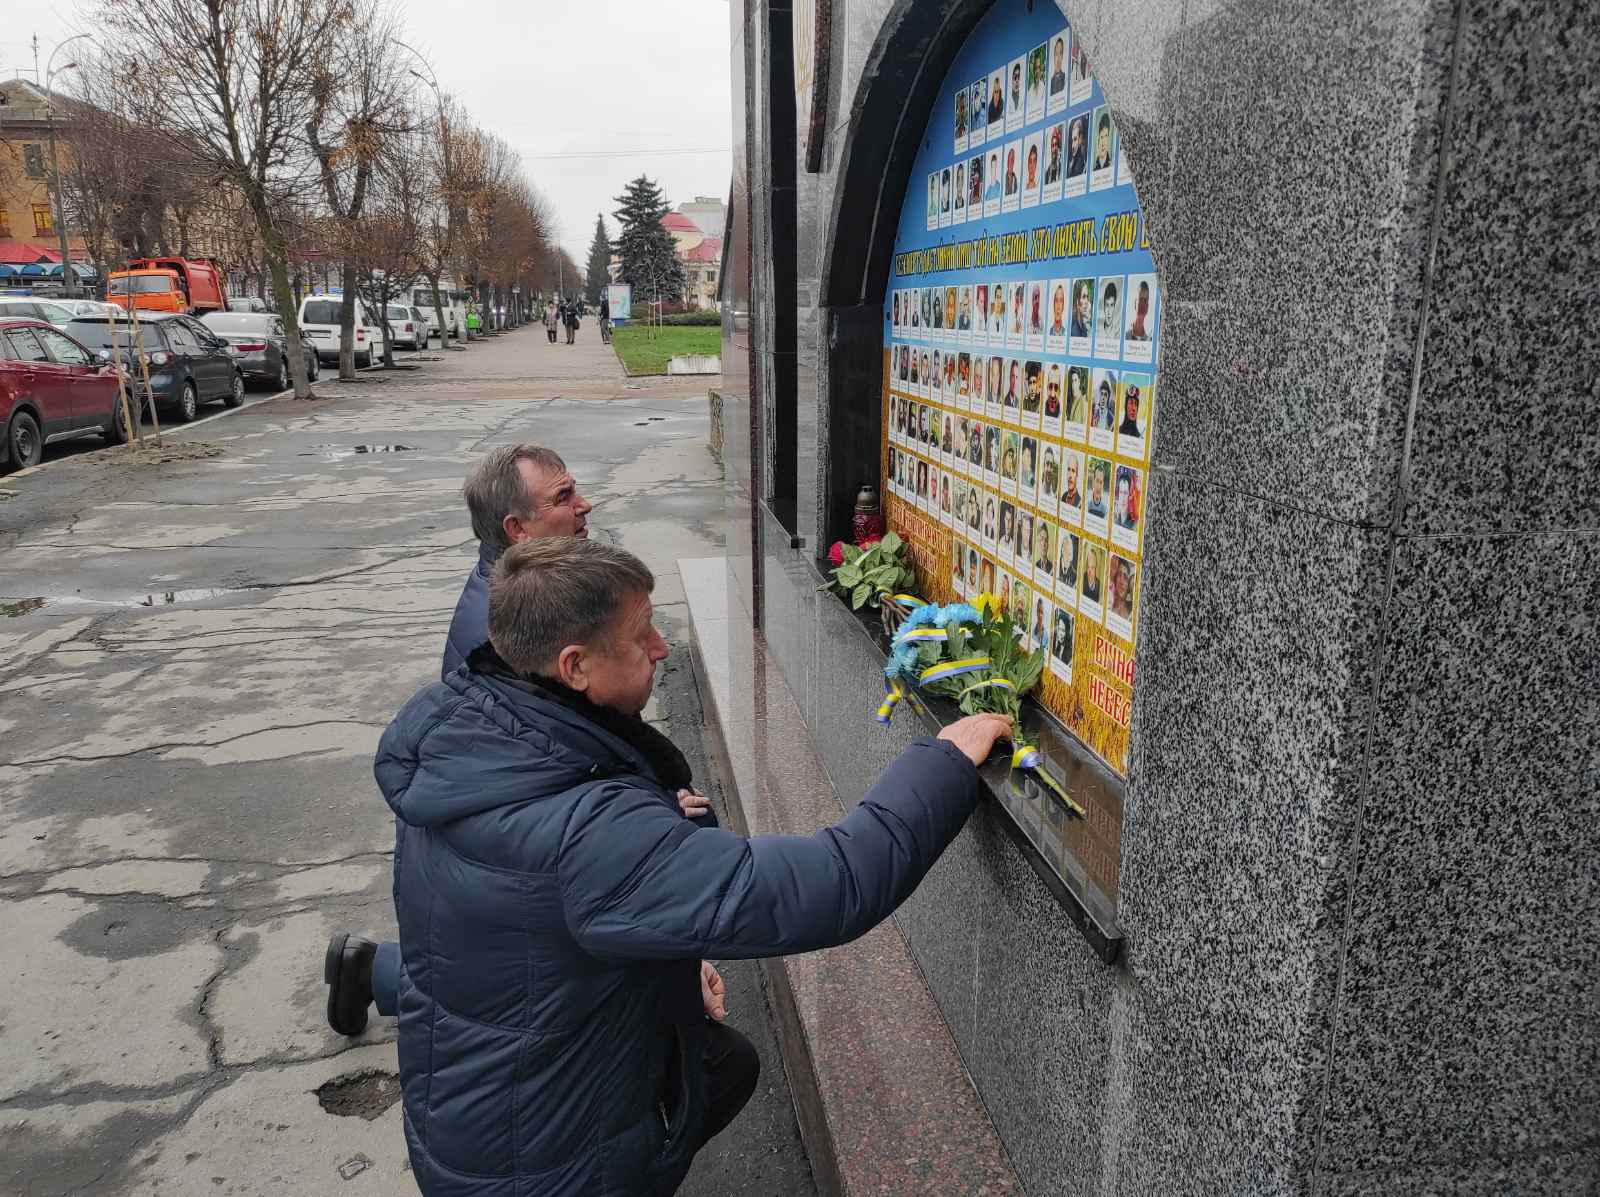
(553,906)
(469,626)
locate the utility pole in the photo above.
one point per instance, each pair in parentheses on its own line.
(69,276)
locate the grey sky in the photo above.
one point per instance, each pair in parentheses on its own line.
(641,81)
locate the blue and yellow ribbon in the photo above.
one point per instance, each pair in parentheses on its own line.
(893,693)
(936,673)
(908,635)
(1027,758)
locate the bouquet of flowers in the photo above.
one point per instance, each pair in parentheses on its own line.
(867,571)
(970,653)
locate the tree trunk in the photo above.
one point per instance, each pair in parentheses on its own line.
(279,267)
(347,323)
(438,310)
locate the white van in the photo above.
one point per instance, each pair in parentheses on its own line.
(319,319)
(454,316)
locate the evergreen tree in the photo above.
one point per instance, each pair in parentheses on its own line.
(649,254)
(599,261)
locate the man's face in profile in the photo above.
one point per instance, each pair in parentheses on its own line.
(555,508)
(621,668)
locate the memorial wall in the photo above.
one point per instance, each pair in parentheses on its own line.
(1193,332)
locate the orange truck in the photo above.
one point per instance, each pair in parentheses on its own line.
(193,285)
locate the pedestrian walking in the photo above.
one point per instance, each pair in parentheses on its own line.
(552,318)
(605,318)
(572,321)
(561,1030)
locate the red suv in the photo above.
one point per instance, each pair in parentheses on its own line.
(51,389)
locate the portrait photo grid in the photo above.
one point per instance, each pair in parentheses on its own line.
(1021,399)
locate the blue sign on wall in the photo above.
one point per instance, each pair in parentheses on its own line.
(1023,321)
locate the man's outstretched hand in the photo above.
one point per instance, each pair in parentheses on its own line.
(712,991)
(975,735)
(693,803)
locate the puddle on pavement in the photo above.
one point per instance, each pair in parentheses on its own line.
(162,598)
(340,452)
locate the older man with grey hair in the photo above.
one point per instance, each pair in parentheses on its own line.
(516,493)
(561,1030)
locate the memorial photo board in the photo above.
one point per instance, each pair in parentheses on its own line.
(1021,391)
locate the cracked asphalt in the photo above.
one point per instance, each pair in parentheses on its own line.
(197,656)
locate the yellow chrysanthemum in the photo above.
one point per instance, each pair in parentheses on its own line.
(987,603)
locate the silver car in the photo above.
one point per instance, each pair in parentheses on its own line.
(257,341)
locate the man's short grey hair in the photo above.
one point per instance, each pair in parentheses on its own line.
(496,489)
(548,593)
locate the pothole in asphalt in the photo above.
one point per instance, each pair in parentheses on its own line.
(340,452)
(367,1094)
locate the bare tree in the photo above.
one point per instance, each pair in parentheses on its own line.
(388,241)
(442,199)
(360,109)
(126,183)
(237,80)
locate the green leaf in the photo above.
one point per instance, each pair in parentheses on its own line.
(890,543)
(851,553)
(861,594)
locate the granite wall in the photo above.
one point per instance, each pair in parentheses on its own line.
(1359,881)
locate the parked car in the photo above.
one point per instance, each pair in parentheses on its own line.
(51,388)
(247,303)
(189,364)
(319,317)
(169,285)
(454,316)
(260,345)
(86,307)
(407,327)
(51,311)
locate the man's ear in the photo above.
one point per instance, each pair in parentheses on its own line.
(513,528)
(572,667)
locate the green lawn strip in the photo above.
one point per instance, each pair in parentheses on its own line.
(645,351)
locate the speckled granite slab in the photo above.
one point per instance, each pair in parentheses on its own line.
(885,1104)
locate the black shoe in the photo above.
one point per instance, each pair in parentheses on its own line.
(347,969)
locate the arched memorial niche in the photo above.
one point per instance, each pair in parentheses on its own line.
(1061,404)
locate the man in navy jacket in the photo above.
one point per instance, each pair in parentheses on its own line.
(516,493)
(559,1029)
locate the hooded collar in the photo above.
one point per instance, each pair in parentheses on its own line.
(666,762)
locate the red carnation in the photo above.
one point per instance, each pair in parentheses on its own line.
(836,553)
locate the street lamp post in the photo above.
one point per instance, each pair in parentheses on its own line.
(69,276)
(444,149)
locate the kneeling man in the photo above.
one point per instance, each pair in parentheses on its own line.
(559,1029)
